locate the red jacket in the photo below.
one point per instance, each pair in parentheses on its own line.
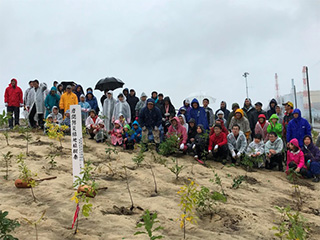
(217,140)
(13,95)
(223,128)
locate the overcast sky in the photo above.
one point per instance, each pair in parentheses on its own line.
(174,47)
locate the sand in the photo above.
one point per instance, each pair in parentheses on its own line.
(249,212)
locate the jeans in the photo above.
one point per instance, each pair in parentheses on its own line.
(274,161)
(14,111)
(150,134)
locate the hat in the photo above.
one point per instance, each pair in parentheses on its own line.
(69,86)
(82,96)
(288,103)
(183,109)
(68,111)
(258,104)
(187,101)
(235,105)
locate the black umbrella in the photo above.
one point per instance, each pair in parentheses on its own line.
(66,83)
(109,83)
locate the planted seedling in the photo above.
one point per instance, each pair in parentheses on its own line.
(4,119)
(26,175)
(54,131)
(52,162)
(217,180)
(110,150)
(176,169)
(188,201)
(35,223)
(292,225)
(249,162)
(26,132)
(293,177)
(7,226)
(7,161)
(87,189)
(169,146)
(148,222)
(139,157)
(154,179)
(128,187)
(237,181)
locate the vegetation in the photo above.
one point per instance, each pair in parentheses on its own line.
(7,226)
(26,136)
(249,162)
(139,157)
(148,221)
(237,181)
(176,169)
(292,225)
(36,223)
(7,161)
(4,119)
(109,150)
(169,146)
(54,131)
(26,175)
(293,177)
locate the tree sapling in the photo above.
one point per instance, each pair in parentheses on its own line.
(35,223)
(7,226)
(7,161)
(176,169)
(148,220)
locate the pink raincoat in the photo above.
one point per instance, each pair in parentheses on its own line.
(297,157)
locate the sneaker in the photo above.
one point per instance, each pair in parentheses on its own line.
(224,161)
(196,157)
(200,161)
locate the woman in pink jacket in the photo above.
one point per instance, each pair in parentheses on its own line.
(295,158)
(261,127)
(177,129)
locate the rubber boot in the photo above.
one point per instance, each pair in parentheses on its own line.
(316,178)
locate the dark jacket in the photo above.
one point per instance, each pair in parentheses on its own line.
(272,110)
(199,114)
(150,118)
(172,110)
(192,132)
(298,128)
(132,101)
(93,102)
(251,113)
(201,139)
(311,152)
(78,93)
(224,110)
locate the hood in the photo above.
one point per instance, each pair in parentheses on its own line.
(178,121)
(295,142)
(273,101)
(184,118)
(54,108)
(220,112)
(186,101)
(68,111)
(194,101)
(308,137)
(297,111)
(53,89)
(192,120)
(81,91)
(167,99)
(127,126)
(117,122)
(150,100)
(262,116)
(90,93)
(82,95)
(49,116)
(110,92)
(13,80)
(135,123)
(239,110)
(225,103)
(273,116)
(244,102)
(201,126)
(143,94)
(235,105)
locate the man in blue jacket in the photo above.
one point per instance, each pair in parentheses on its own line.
(199,114)
(150,121)
(298,127)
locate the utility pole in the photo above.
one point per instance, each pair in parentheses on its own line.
(294,93)
(245,75)
(309,99)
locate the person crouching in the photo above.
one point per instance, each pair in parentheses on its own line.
(116,134)
(127,142)
(95,126)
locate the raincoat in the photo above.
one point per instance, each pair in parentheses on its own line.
(108,108)
(199,114)
(224,110)
(78,93)
(167,109)
(272,110)
(185,124)
(51,101)
(56,117)
(116,134)
(217,140)
(277,128)
(141,104)
(297,157)
(13,96)
(312,152)
(93,102)
(85,108)
(123,108)
(179,131)
(277,145)
(188,108)
(137,135)
(36,96)
(239,143)
(250,111)
(150,118)
(68,99)
(298,128)
(132,101)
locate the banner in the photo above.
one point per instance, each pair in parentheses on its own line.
(76,140)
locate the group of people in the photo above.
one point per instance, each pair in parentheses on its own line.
(248,132)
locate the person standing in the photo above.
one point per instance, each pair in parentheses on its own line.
(26,93)
(13,99)
(35,104)
(209,112)
(67,99)
(199,114)
(223,108)
(51,100)
(132,101)
(272,108)
(107,111)
(288,116)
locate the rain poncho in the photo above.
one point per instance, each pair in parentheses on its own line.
(52,100)
(36,96)
(185,124)
(254,148)
(85,108)
(123,108)
(239,143)
(137,134)
(277,128)
(179,131)
(141,104)
(116,134)
(199,114)
(56,117)
(108,108)
(298,128)
(93,102)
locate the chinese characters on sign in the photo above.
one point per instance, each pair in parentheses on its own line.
(76,140)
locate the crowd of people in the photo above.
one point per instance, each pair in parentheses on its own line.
(242,133)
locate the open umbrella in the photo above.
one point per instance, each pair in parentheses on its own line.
(66,83)
(109,83)
(200,95)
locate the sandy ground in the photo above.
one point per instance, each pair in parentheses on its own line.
(248,214)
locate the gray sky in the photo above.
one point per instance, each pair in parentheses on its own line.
(175,47)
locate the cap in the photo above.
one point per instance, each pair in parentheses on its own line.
(258,104)
(288,103)
(69,86)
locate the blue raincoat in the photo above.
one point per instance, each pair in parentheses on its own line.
(93,102)
(51,101)
(199,114)
(137,131)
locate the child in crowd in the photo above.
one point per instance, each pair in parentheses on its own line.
(137,132)
(261,127)
(85,108)
(311,158)
(116,134)
(49,121)
(95,126)
(273,150)
(218,144)
(274,125)
(224,129)
(122,120)
(200,144)
(127,142)
(295,158)
(192,132)
(176,129)
(255,151)
(56,116)
(220,117)
(66,121)
(183,122)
